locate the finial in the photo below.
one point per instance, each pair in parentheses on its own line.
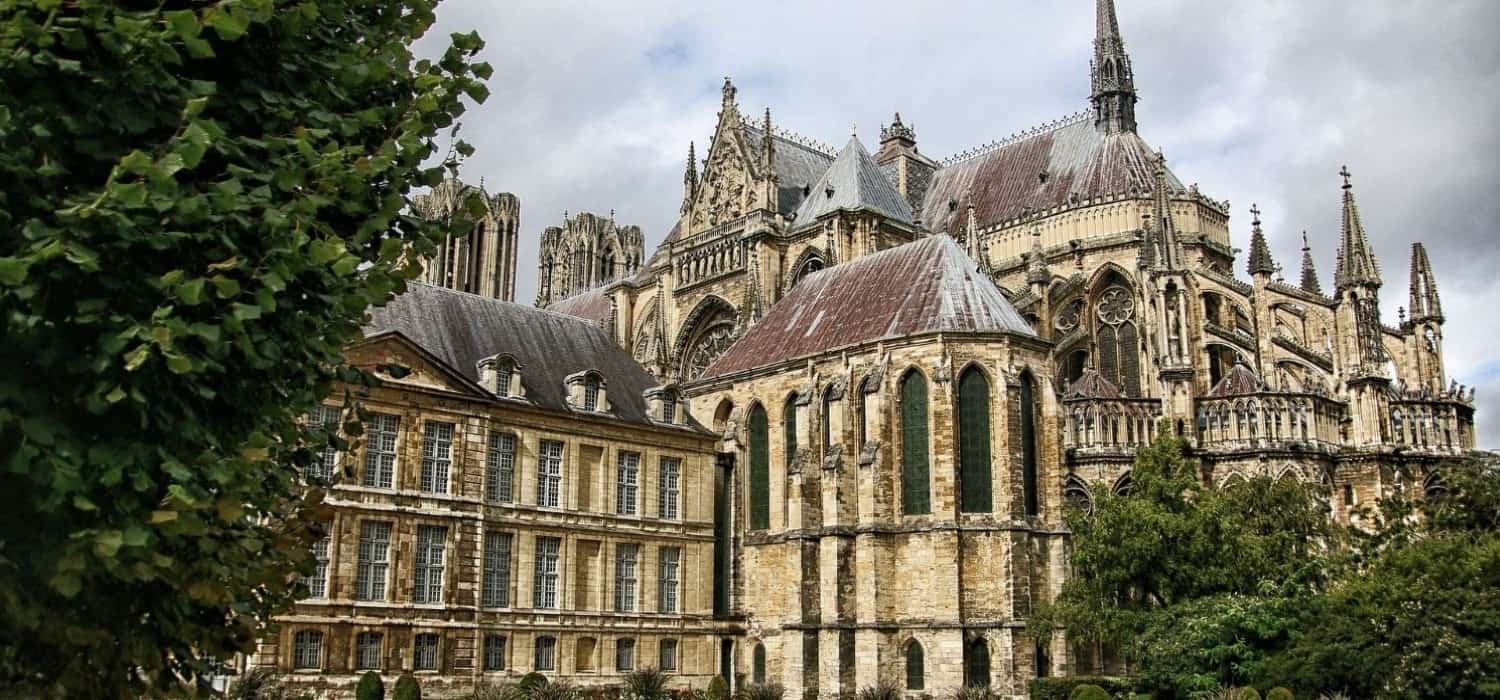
(728,90)
(1344,171)
(853,130)
(1254,214)
(1305,246)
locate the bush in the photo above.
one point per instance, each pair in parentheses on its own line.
(973,692)
(1246,694)
(1280,694)
(370,687)
(761,691)
(646,684)
(553,690)
(257,684)
(485,691)
(407,688)
(530,683)
(718,689)
(1061,688)
(884,690)
(1088,691)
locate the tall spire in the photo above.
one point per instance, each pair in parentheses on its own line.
(1309,271)
(1424,303)
(1169,251)
(1111,78)
(1260,253)
(1356,263)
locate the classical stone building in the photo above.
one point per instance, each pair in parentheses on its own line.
(914,367)
(526,498)
(482,261)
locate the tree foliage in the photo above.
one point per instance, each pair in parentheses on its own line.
(200,202)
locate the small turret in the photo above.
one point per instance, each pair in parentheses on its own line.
(1356,265)
(1036,263)
(1260,253)
(1309,271)
(1424,303)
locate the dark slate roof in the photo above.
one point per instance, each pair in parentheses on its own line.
(1005,181)
(853,182)
(1238,381)
(460,329)
(924,286)
(591,305)
(797,166)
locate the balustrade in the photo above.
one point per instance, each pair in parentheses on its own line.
(1264,418)
(1118,424)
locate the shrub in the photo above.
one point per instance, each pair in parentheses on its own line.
(407,688)
(1088,691)
(485,691)
(884,690)
(553,690)
(370,687)
(646,684)
(530,683)
(1061,688)
(257,684)
(718,689)
(1280,694)
(1246,693)
(973,692)
(761,691)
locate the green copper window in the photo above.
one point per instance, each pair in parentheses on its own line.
(760,470)
(974,442)
(915,495)
(1028,445)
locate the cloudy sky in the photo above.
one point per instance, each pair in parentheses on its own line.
(593,105)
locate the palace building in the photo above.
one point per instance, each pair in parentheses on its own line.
(877,382)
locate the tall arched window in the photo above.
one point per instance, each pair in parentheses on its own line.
(758,664)
(977,664)
(1119,356)
(1028,446)
(828,408)
(916,673)
(915,495)
(760,469)
(789,432)
(974,442)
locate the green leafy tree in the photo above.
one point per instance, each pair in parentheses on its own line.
(407,688)
(370,687)
(200,202)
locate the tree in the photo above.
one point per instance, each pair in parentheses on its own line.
(201,200)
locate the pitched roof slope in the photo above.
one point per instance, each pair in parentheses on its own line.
(461,329)
(1040,171)
(853,182)
(924,286)
(797,166)
(590,304)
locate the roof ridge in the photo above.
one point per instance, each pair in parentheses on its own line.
(1045,127)
(528,307)
(796,139)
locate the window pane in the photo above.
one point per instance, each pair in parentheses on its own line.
(667,579)
(494,653)
(380,450)
(624,654)
(500,468)
(627,483)
(760,470)
(547,549)
(668,655)
(915,497)
(425,652)
(373,560)
(669,488)
(549,476)
(367,650)
(321,469)
(427,574)
(626,556)
(437,456)
(317,583)
(496,593)
(307,649)
(546,653)
(974,442)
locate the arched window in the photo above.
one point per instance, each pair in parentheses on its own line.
(1076,493)
(974,442)
(828,408)
(977,664)
(1028,446)
(760,469)
(915,495)
(866,407)
(758,664)
(916,674)
(1119,356)
(789,432)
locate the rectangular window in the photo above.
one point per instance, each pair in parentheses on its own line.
(627,483)
(373,560)
(667,659)
(667,579)
(367,650)
(494,653)
(546,654)
(590,394)
(625,576)
(321,469)
(669,408)
(549,474)
(624,655)
(424,656)
(437,456)
(669,488)
(547,551)
(496,586)
(380,450)
(500,468)
(307,649)
(427,581)
(317,583)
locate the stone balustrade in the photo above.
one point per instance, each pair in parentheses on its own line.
(1109,424)
(1266,418)
(1438,425)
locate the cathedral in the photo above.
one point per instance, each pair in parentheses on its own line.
(861,390)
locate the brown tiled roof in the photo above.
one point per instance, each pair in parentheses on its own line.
(924,286)
(1092,385)
(1239,380)
(591,305)
(460,329)
(1005,181)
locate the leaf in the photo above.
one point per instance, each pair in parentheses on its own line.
(163,516)
(84,504)
(228,264)
(228,25)
(115,395)
(135,357)
(12,271)
(191,291)
(183,22)
(224,286)
(107,543)
(136,536)
(67,584)
(179,364)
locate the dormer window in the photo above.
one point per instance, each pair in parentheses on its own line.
(669,407)
(587,391)
(591,393)
(663,405)
(501,375)
(505,370)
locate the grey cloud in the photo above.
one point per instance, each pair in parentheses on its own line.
(593,104)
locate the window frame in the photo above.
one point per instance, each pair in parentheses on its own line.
(360,649)
(544,644)
(495,569)
(547,581)
(487,653)
(624,654)
(500,467)
(669,488)
(669,580)
(368,586)
(628,483)
(307,650)
(382,448)
(436,652)
(317,581)
(429,564)
(437,456)
(549,480)
(627,579)
(666,655)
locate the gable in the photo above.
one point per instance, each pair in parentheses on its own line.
(424,371)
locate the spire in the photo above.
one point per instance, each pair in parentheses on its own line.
(1309,272)
(1260,253)
(768,143)
(1113,82)
(1146,255)
(1424,303)
(750,308)
(690,175)
(1036,263)
(1168,253)
(1356,262)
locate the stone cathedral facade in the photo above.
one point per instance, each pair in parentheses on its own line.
(825,434)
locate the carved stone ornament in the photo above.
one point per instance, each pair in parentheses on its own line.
(1115,306)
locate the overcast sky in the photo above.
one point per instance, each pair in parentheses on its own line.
(593,105)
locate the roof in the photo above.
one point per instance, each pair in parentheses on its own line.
(1075,157)
(853,182)
(460,329)
(924,286)
(1092,385)
(1237,381)
(591,304)
(797,166)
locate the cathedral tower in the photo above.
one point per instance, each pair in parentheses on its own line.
(482,261)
